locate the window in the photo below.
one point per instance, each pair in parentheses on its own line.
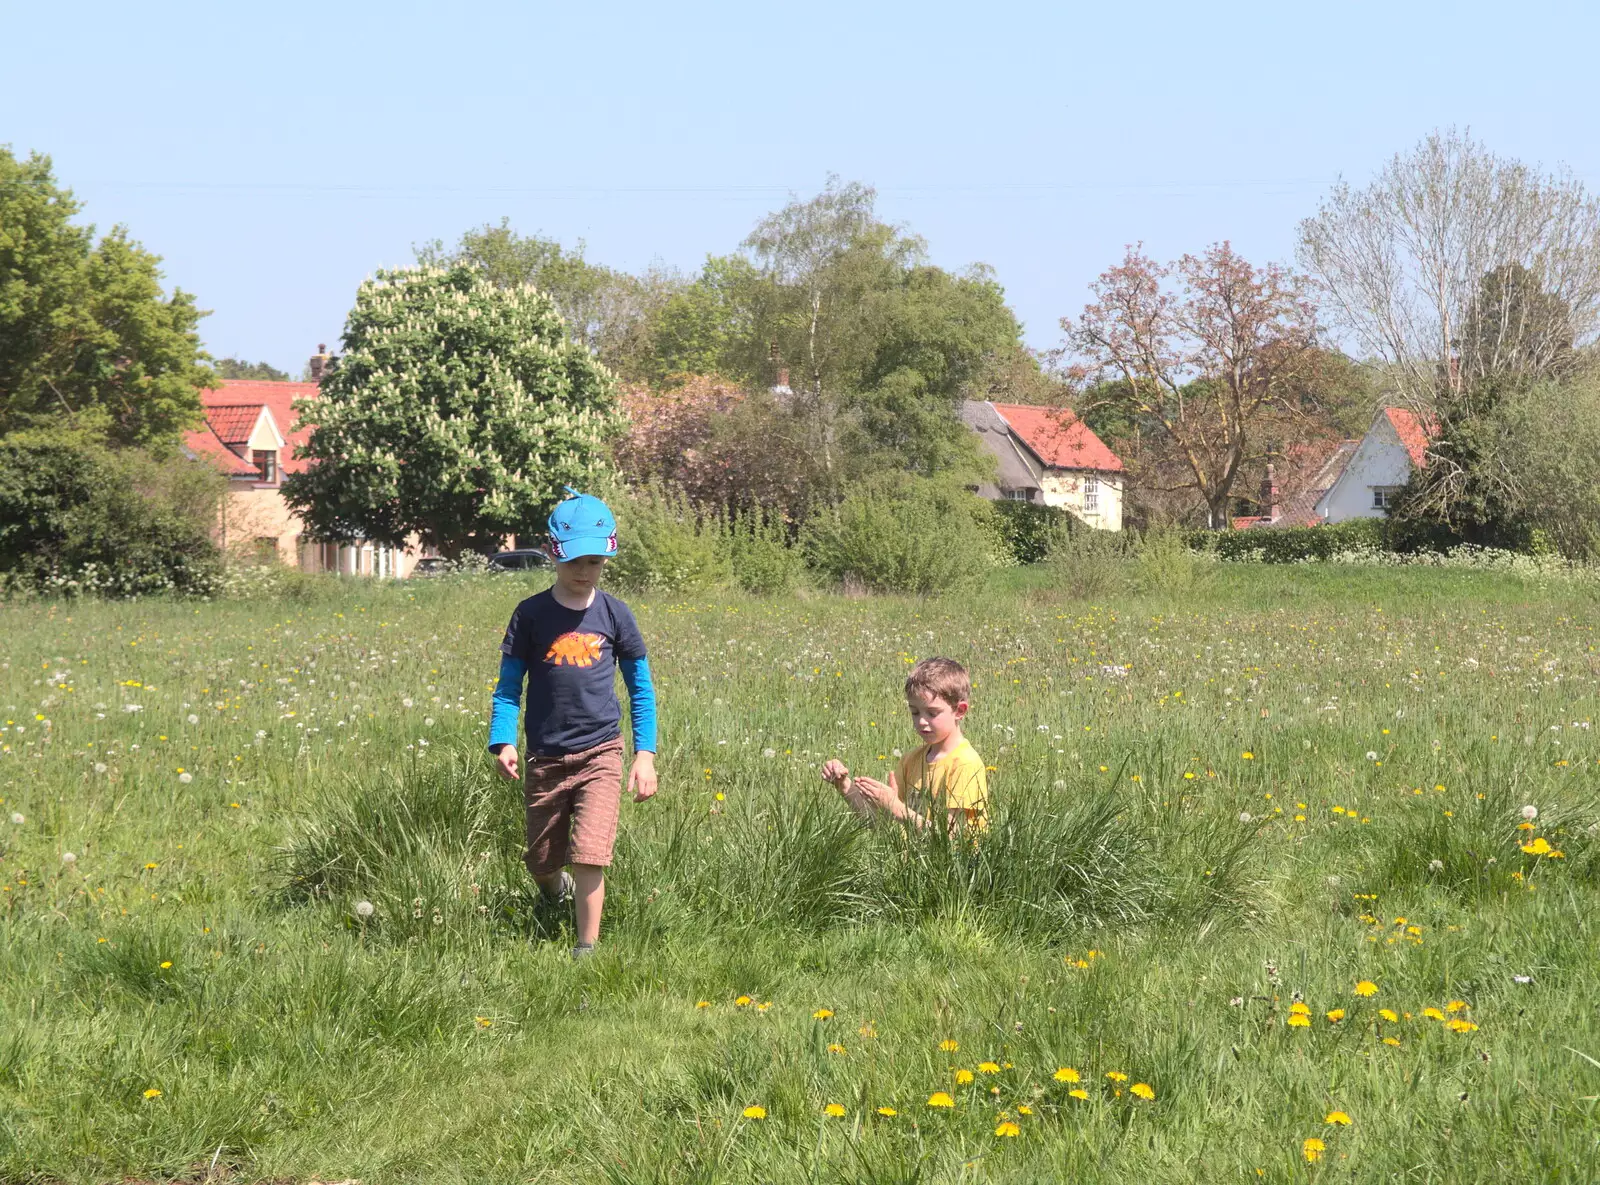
(1091,494)
(266,463)
(1018,495)
(1382,498)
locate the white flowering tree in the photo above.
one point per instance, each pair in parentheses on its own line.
(457,412)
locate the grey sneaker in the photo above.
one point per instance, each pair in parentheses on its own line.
(564,893)
(582,950)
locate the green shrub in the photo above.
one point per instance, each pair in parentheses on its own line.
(665,545)
(1293,545)
(761,556)
(902,534)
(77,517)
(1085,564)
(1029,528)
(1166,564)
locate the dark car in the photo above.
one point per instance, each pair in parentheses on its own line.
(431,565)
(523,559)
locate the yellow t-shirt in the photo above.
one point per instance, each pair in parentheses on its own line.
(956,781)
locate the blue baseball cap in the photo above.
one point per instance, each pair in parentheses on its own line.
(582,525)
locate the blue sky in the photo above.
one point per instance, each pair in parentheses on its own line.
(275,155)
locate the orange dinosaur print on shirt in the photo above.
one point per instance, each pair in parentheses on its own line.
(575,650)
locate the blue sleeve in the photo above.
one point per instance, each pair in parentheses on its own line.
(641,702)
(507,703)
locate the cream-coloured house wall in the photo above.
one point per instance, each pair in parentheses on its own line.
(265,435)
(1380,462)
(253,513)
(1064,488)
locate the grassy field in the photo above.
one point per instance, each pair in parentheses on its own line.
(1259,864)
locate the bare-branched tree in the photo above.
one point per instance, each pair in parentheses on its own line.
(1455,265)
(1219,364)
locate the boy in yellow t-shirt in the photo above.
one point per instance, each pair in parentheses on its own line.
(943,774)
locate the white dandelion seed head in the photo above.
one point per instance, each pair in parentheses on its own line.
(1371,756)
(408,701)
(427,721)
(1435,865)
(16,817)
(365,909)
(1245,817)
(1530,812)
(99,767)
(261,734)
(68,858)
(186,778)
(192,718)
(1522,979)
(769,753)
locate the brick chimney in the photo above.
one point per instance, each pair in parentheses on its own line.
(319,362)
(1269,494)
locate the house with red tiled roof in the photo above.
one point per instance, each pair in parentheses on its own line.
(251,433)
(1048,456)
(1395,446)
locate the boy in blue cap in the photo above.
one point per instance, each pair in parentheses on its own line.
(567,643)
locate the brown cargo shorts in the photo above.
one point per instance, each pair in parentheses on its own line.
(571,806)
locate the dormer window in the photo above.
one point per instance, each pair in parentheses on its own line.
(266,463)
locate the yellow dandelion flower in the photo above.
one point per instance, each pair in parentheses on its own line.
(834,1109)
(1335,1015)
(1455,1005)
(1312,1149)
(1339,1118)
(887,1112)
(1247,755)
(1366,988)
(1432,1014)
(152,865)
(166,964)
(763,1007)
(152,1093)
(1024,1109)
(940,1099)
(836,1048)
(483,1022)
(1303,1009)
(822,1014)
(1079,1093)
(963,1077)
(1067,1074)
(1462,1026)
(755,1112)
(949,1046)
(1007,1129)
(1538,847)
(1116,1075)
(742,1002)
(988,1068)
(1395,1041)
(1389,1015)
(702,1003)
(1142,1090)
(1299,1020)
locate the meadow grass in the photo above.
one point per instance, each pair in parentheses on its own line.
(1222,802)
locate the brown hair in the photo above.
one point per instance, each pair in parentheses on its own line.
(943,677)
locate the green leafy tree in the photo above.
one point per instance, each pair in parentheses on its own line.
(458,411)
(234,368)
(611,312)
(87,336)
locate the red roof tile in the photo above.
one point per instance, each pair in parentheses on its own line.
(279,398)
(1059,438)
(206,444)
(233,422)
(1412,432)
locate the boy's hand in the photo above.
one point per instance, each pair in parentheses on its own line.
(642,778)
(835,773)
(505,762)
(885,798)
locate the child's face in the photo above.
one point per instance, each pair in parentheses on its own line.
(580,575)
(934,718)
